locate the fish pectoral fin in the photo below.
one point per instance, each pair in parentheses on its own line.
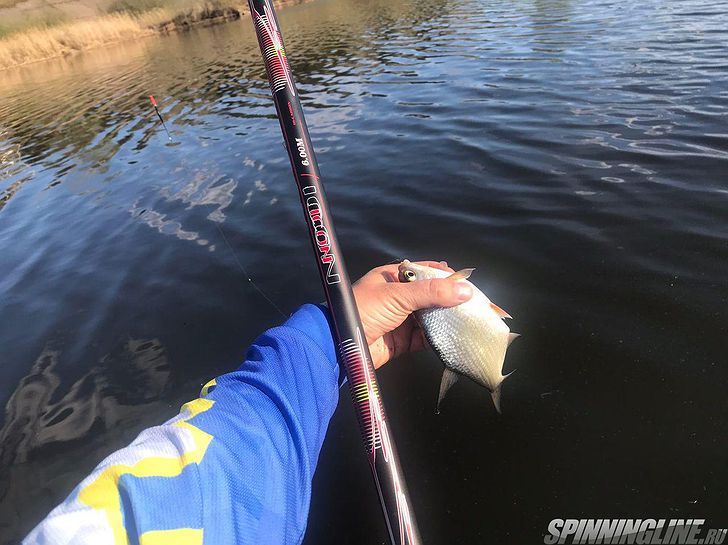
(512,337)
(499,311)
(462,274)
(448,379)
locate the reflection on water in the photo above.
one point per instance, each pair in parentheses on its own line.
(574,152)
(43,417)
(33,420)
(11,162)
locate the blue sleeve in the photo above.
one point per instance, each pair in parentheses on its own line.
(234,467)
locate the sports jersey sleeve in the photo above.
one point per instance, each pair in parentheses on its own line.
(234,467)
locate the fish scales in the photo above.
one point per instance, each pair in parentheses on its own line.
(471,339)
(459,338)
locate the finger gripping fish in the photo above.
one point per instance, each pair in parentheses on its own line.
(471,339)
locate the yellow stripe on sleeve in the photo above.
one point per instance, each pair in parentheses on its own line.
(181,536)
(103,492)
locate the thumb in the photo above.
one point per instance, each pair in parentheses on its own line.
(436,292)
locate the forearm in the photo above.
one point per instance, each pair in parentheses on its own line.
(234,467)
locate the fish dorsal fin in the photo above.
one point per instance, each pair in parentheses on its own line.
(512,337)
(499,311)
(448,379)
(462,274)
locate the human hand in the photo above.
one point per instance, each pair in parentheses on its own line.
(385,307)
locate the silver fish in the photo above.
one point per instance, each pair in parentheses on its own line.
(471,339)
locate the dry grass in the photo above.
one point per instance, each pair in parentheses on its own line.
(13,23)
(65,38)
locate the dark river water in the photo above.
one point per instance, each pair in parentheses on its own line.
(575,153)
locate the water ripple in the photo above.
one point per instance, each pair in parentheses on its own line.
(575,152)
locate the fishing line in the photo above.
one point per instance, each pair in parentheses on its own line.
(245,272)
(224,237)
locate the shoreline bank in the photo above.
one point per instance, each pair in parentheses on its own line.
(69,38)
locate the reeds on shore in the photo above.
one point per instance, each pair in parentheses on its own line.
(128,19)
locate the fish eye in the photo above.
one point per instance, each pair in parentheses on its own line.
(409,276)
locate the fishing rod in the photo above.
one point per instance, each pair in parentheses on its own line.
(154,103)
(349,337)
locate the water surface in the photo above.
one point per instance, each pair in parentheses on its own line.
(574,152)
